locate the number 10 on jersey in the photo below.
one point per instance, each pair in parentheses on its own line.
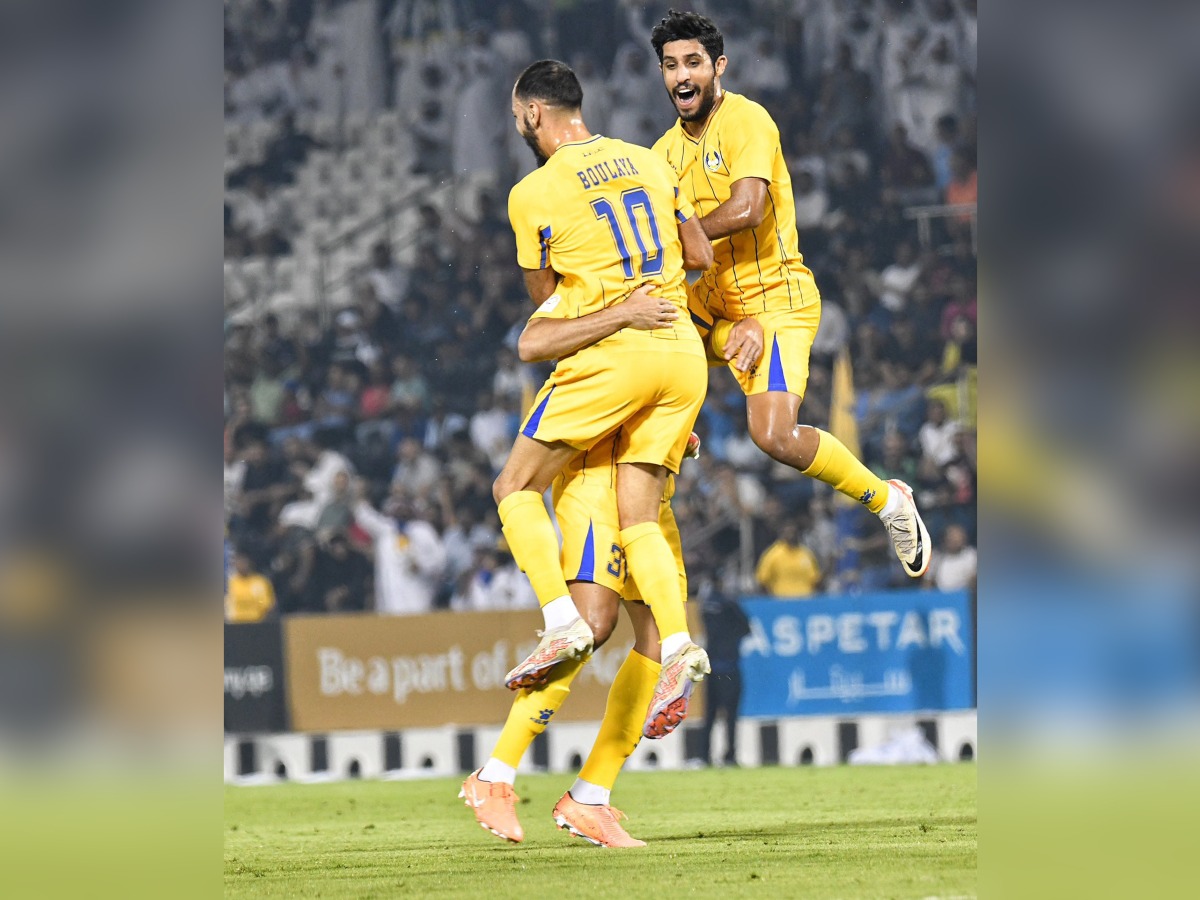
(632,200)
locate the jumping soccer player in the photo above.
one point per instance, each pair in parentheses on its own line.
(592,561)
(597,219)
(725,149)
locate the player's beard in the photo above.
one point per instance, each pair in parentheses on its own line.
(530,137)
(708,99)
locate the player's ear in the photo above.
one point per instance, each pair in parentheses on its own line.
(719,65)
(533,113)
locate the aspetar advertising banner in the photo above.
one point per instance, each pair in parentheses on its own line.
(363,671)
(895,651)
(254,678)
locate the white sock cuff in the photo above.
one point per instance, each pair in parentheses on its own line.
(672,643)
(895,502)
(494,770)
(591,794)
(559,612)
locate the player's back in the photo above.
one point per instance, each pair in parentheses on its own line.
(757,269)
(604,215)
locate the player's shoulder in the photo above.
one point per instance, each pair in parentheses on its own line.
(646,159)
(741,111)
(669,138)
(527,193)
(651,158)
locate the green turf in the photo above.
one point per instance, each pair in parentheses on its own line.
(773,832)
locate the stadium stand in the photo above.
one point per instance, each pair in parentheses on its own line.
(372,300)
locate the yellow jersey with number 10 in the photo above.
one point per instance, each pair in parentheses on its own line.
(756,270)
(604,214)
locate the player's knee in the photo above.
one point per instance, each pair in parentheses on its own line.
(502,487)
(771,440)
(602,624)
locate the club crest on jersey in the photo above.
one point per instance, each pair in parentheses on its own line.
(712,160)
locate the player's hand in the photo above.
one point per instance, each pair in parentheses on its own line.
(646,312)
(746,343)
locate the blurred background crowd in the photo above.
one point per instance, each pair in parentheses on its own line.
(372,298)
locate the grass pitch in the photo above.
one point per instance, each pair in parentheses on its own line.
(773,832)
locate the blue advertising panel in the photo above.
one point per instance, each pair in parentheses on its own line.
(893,651)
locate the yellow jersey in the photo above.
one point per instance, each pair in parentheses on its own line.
(604,214)
(755,270)
(249,599)
(788,570)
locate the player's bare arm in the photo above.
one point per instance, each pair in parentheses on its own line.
(540,284)
(697,248)
(745,208)
(545,338)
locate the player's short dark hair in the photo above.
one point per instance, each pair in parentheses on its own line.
(687,26)
(551,82)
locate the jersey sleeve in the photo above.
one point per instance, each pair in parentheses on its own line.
(752,139)
(683,209)
(552,307)
(530,227)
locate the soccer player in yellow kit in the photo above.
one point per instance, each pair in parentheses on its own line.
(599,218)
(726,151)
(592,561)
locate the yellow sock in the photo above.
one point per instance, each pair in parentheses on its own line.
(624,715)
(838,467)
(531,713)
(533,543)
(652,565)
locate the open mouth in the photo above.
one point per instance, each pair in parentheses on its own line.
(686,96)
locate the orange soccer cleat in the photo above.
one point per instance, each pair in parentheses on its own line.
(599,825)
(495,806)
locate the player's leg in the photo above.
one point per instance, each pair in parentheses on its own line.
(531,467)
(640,487)
(585,810)
(771,417)
(489,791)
(774,392)
(654,553)
(712,709)
(733,703)
(652,566)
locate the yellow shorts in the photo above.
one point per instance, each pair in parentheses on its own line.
(585,504)
(653,398)
(788,335)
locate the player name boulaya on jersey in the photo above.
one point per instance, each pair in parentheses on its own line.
(606,170)
(759,269)
(604,214)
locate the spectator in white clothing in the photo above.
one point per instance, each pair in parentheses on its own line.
(898,279)
(812,202)
(765,72)
(937,435)
(387,277)
(493,428)
(416,470)
(955,564)
(494,583)
(409,556)
(833,332)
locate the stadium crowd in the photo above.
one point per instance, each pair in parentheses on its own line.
(361,442)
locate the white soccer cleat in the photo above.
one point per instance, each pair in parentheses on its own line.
(908,533)
(557,645)
(669,706)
